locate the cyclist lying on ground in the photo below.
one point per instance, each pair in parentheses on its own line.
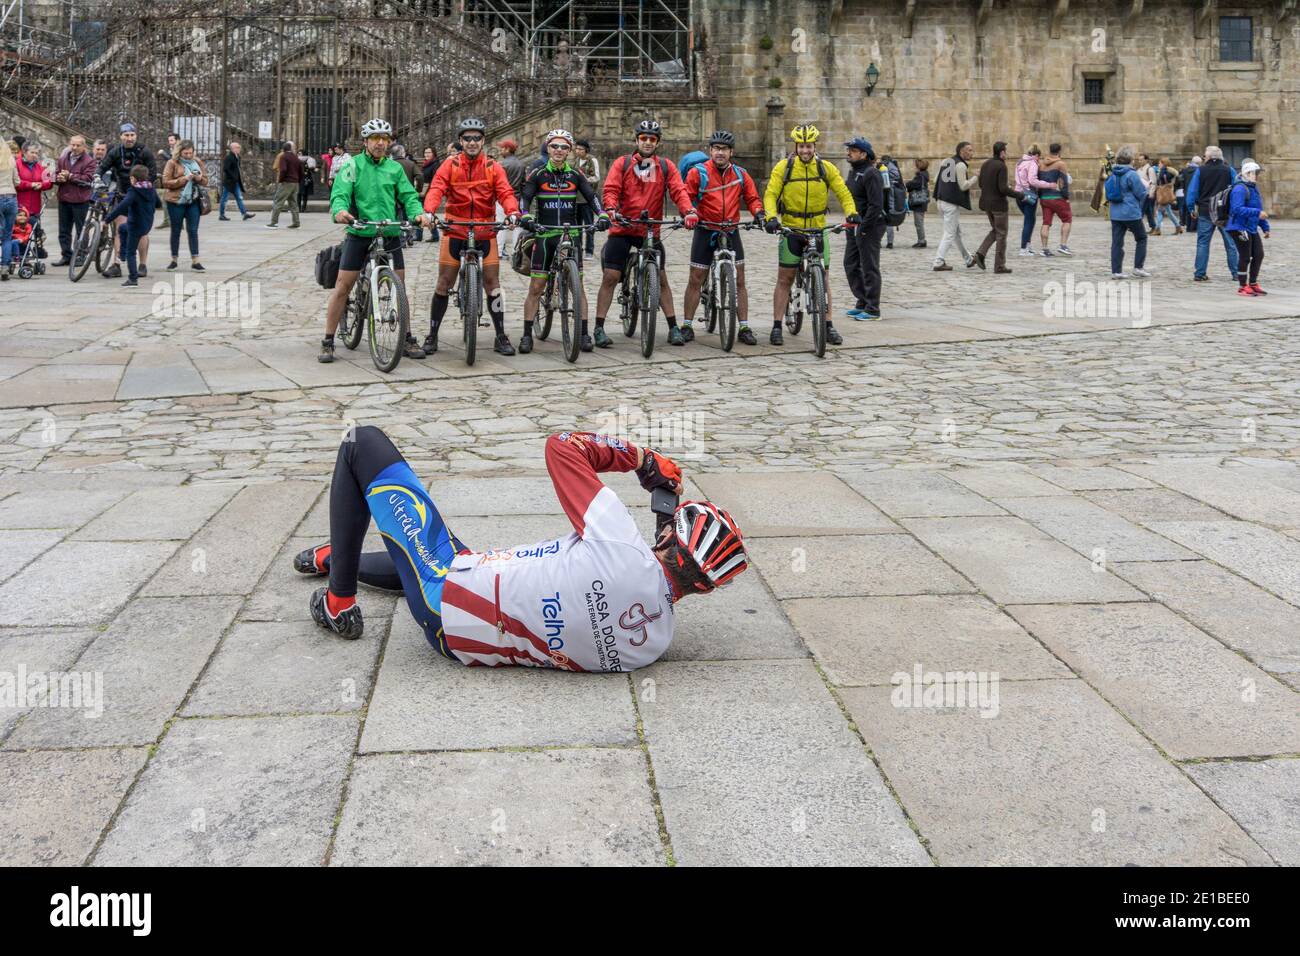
(600,599)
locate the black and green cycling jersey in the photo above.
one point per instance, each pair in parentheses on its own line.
(373,189)
(556,189)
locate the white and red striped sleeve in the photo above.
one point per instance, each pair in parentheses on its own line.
(573,460)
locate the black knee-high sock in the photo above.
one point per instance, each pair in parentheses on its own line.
(437,309)
(496,309)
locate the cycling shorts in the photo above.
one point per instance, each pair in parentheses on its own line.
(618,249)
(452,250)
(356,248)
(790,251)
(706,241)
(544,254)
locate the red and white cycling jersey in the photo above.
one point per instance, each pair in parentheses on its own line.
(596,600)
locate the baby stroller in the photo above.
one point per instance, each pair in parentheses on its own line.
(33,252)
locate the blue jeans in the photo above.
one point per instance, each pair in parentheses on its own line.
(1117,229)
(184,215)
(8,213)
(239,200)
(1204,231)
(13,250)
(1029,208)
(1164,212)
(130,242)
(1149,210)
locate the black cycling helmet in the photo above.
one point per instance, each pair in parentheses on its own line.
(471,124)
(649,128)
(723,137)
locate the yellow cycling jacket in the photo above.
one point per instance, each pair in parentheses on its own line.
(804,198)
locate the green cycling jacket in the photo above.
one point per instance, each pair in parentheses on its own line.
(373,190)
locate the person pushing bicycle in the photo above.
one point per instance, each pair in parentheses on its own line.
(720,187)
(798,191)
(555,185)
(369,188)
(599,599)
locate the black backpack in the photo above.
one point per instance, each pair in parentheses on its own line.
(1220,207)
(327,266)
(895,193)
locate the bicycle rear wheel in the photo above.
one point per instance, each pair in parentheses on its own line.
(571,311)
(794,307)
(648,300)
(471,306)
(726,305)
(628,306)
(817,307)
(546,309)
(83,249)
(390,319)
(104,254)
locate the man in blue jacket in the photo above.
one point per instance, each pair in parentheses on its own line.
(1213,177)
(1126,192)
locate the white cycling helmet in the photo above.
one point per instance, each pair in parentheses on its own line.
(712,537)
(563,134)
(377,127)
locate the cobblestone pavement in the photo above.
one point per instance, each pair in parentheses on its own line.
(1026,586)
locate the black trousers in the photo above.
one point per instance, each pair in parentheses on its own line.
(357,464)
(862,265)
(1250,256)
(72,216)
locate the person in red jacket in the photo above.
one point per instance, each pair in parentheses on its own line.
(472,185)
(720,189)
(636,183)
(32,180)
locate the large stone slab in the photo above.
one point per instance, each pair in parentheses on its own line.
(424,701)
(1144,505)
(148,659)
(55,509)
(32,651)
(154,373)
(1004,481)
(80,582)
(232,551)
(793,503)
(287,668)
(1058,778)
(1185,690)
(837,565)
(1092,530)
(1088,477)
(284,595)
(17,548)
(1261,795)
(911,492)
(741,621)
(1240,491)
(238,792)
(57,803)
(755,765)
(1013,562)
(867,640)
(160,514)
(1270,559)
(1244,617)
(553,808)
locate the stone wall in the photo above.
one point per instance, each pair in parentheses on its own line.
(1015,74)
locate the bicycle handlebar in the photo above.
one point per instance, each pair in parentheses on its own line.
(792,231)
(730,224)
(448,224)
(670,223)
(365,223)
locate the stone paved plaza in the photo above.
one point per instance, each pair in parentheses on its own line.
(1096,517)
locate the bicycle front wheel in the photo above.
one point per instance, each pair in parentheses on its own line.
(83,250)
(546,309)
(353,322)
(794,307)
(571,311)
(725,302)
(104,254)
(627,306)
(471,299)
(648,300)
(817,307)
(390,319)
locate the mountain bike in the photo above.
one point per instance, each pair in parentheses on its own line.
(718,296)
(469,282)
(638,296)
(564,292)
(94,240)
(378,303)
(808,293)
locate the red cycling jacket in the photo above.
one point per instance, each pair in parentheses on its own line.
(472,187)
(718,193)
(631,187)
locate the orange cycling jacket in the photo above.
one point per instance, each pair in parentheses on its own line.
(719,193)
(472,187)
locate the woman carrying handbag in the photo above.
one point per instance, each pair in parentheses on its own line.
(185,191)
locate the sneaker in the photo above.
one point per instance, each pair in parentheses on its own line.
(412,350)
(294,226)
(889,245)
(144,270)
(1245,290)
(1026,252)
(271,225)
(63,261)
(746,336)
(430,344)
(172,266)
(776,338)
(1063,251)
(249,215)
(326,351)
(688,333)
(602,340)
(586,344)
(1047,253)
(307,562)
(347,625)
(918,245)
(1200,278)
(866,315)
(675,336)
(943,267)
(134,282)
(223,219)
(1254,287)
(525,344)
(977,260)
(833,336)
(1002,270)
(1142,273)
(503,346)
(1155,232)
(854,313)
(197,267)
(1119,275)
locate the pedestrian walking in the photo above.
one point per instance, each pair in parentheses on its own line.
(1126,192)
(918,199)
(952,191)
(1165,177)
(232,182)
(288,172)
(994,193)
(74,175)
(1212,178)
(1028,184)
(1248,226)
(183,179)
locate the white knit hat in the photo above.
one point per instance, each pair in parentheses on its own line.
(1250,166)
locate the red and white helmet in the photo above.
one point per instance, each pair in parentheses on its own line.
(563,134)
(712,537)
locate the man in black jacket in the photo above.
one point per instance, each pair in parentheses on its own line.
(232,183)
(1213,177)
(862,250)
(994,192)
(117,163)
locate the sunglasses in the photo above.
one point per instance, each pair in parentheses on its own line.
(472,139)
(563,147)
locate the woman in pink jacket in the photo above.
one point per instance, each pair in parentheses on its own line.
(32,180)
(1028,183)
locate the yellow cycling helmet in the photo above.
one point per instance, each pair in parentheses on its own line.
(805,133)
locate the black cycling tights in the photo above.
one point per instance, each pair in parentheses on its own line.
(1250,256)
(358,462)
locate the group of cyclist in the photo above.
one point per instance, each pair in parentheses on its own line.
(710,198)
